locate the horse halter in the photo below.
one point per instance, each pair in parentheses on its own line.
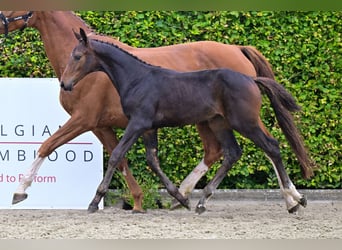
(6,21)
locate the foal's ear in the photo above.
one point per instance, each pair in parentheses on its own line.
(81,37)
(84,36)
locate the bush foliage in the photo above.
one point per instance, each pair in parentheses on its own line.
(304,49)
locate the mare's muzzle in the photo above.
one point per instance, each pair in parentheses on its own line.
(66,87)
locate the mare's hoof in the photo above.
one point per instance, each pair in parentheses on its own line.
(18,198)
(92,209)
(200,209)
(138,211)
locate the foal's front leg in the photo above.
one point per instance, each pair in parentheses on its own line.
(151,145)
(109,140)
(130,136)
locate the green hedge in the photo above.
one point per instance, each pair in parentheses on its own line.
(304,49)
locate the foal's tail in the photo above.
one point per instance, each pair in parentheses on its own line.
(283,103)
(260,63)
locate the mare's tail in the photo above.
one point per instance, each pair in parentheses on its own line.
(283,103)
(260,63)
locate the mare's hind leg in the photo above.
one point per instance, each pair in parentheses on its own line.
(151,145)
(212,153)
(231,153)
(261,137)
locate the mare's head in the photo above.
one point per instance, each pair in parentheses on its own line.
(82,62)
(14,20)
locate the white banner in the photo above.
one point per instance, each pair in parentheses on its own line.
(30,113)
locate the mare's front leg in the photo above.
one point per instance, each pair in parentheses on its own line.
(151,145)
(132,133)
(75,126)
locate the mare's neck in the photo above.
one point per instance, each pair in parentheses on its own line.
(55,28)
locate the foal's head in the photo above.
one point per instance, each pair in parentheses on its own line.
(82,62)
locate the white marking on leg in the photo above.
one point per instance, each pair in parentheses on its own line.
(293,192)
(290,194)
(191,180)
(124,172)
(27,180)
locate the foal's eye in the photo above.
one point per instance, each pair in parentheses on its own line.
(77,57)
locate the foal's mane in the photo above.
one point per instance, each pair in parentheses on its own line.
(124,51)
(108,43)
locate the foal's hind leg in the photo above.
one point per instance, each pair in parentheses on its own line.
(231,153)
(261,137)
(151,145)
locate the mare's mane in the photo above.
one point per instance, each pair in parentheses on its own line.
(89,27)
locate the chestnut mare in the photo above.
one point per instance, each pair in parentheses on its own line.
(154,97)
(98,109)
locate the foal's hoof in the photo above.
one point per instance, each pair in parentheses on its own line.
(18,198)
(294,209)
(92,209)
(175,205)
(200,209)
(303,201)
(186,204)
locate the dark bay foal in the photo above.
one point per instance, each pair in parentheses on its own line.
(153,97)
